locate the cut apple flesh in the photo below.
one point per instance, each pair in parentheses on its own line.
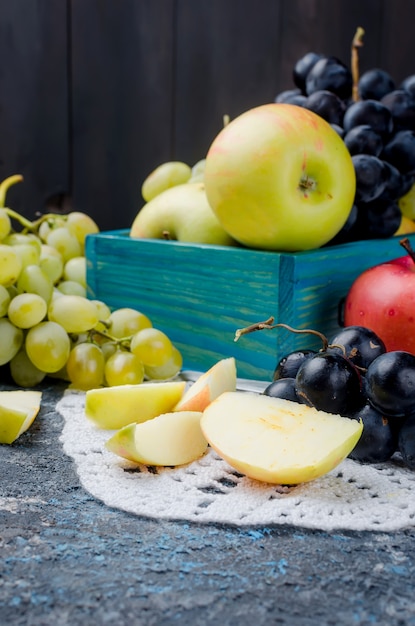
(114,407)
(169,439)
(18,410)
(275,440)
(219,378)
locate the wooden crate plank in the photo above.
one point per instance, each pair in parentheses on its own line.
(122,85)
(33,101)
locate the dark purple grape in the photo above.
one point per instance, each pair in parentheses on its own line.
(390,383)
(402,106)
(370,112)
(289,365)
(379,219)
(361,344)
(330,383)
(290,96)
(371,177)
(363,140)
(400,151)
(406,441)
(282,388)
(374,84)
(408,84)
(331,74)
(395,186)
(339,129)
(377,442)
(327,105)
(348,232)
(302,68)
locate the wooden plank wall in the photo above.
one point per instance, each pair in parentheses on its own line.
(95,93)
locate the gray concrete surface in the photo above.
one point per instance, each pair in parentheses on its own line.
(67,559)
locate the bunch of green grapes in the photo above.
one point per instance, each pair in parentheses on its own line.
(48,325)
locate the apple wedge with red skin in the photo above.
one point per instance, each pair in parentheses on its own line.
(382,298)
(219,378)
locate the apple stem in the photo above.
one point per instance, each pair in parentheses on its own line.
(406,244)
(356,44)
(226,120)
(268,325)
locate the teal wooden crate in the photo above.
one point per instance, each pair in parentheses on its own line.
(200,294)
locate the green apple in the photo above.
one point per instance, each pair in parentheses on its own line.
(18,409)
(278,177)
(275,440)
(219,378)
(166,175)
(181,213)
(114,407)
(407,203)
(168,439)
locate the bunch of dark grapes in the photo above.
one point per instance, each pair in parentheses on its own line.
(353,375)
(376,119)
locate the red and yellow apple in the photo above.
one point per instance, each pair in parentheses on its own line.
(279,177)
(382,298)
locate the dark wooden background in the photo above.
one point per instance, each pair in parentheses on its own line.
(95,93)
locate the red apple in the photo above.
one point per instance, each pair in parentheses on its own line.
(383,298)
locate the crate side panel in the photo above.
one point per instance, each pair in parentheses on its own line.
(198,295)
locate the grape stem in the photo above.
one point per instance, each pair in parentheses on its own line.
(269,325)
(5,184)
(356,44)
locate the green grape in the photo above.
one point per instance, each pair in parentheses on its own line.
(10,265)
(166,175)
(123,368)
(108,348)
(103,309)
(23,372)
(11,340)
(71,288)
(152,347)
(75,314)
(48,346)
(27,310)
(65,242)
(170,369)
(127,321)
(5,298)
(26,239)
(85,366)
(75,270)
(48,225)
(5,224)
(28,254)
(33,279)
(51,262)
(81,225)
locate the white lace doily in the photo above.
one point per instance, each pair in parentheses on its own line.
(353,496)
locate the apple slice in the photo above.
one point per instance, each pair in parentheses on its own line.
(169,439)
(18,410)
(275,440)
(219,378)
(115,407)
